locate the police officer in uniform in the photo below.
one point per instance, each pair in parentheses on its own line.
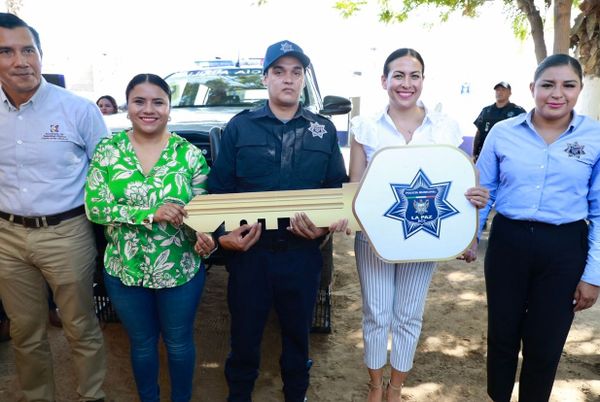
(490,115)
(281,146)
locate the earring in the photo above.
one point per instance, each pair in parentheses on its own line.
(169,118)
(127,116)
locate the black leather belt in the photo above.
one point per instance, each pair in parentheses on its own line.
(43,221)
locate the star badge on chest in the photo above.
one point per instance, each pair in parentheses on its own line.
(317,130)
(574,150)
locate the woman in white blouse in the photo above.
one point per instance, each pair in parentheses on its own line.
(394,294)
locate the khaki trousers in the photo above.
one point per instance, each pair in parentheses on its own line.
(63,256)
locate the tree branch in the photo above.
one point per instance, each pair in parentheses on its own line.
(528,8)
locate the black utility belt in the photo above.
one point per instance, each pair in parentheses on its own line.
(42,221)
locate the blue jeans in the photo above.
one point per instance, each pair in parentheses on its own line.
(148,313)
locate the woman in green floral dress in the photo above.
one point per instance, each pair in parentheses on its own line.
(138,182)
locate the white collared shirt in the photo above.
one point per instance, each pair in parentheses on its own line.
(378,131)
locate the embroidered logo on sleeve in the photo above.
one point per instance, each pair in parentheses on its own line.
(317,130)
(574,150)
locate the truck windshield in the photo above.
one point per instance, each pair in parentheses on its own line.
(218,87)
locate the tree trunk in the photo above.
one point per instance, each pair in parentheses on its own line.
(589,100)
(562,25)
(528,8)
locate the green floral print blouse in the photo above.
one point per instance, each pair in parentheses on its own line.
(120,196)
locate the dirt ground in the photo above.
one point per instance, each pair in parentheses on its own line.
(449,364)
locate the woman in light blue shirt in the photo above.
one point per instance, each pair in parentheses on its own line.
(543,261)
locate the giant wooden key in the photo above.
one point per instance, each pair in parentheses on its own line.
(323,206)
(410,204)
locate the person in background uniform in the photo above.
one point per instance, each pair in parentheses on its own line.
(47,137)
(281,146)
(394,294)
(138,183)
(492,114)
(107,105)
(542,261)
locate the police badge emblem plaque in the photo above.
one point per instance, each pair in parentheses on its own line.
(411,203)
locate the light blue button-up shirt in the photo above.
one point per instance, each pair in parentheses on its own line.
(553,183)
(45,148)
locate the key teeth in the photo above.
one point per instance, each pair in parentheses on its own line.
(271,224)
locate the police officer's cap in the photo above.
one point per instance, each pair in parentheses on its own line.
(502,84)
(284,48)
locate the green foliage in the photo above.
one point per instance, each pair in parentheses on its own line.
(398,11)
(520,27)
(519,22)
(347,8)
(393,11)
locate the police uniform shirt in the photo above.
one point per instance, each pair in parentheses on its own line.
(259,152)
(554,183)
(490,115)
(46,146)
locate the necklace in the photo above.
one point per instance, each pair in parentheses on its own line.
(407,123)
(407,132)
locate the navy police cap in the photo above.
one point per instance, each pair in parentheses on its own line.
(502,84)
(284,48)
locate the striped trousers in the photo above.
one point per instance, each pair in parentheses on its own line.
(393,300)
